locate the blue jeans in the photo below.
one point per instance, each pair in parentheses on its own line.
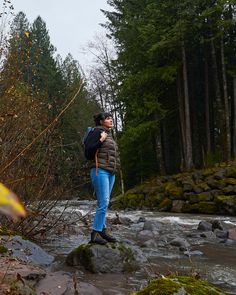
(103,184)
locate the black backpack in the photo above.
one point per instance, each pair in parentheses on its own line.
(87,134)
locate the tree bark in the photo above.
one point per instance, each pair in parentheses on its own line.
(226,104)
(207,108)
(218,107)
(181,123)
(189,156)
(234,119)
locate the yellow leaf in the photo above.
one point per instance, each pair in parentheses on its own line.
(10,204)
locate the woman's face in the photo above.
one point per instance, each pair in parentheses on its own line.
(107,123)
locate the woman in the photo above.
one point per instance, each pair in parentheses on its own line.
(105,163)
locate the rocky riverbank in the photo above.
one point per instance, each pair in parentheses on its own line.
(209,191)
(149,247)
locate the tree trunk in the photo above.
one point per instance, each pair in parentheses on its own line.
(218,107)
(189,159)
(226,104)
(181,123)
(234,119)
(207,108)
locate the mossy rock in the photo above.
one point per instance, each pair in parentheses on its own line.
(134,201)
(209,171)
(229,190)
(3,250)
(80,256)
(226,204)
(173,285)
(230,172)
(215,184)
(201,207)
(165,205)
(153,201)
(203,197)
(118,202)
(109,258)
(127,201)
(230,181)
(173,191)
(20,288)
(204,186)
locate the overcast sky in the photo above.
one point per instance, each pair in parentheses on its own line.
(71,23)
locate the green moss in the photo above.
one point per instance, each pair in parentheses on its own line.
(202,197)
(20,288)
(231,172)
(84,255)
(231,181)
(153,201)
(165,205)
(129,200)
(201,207)
(209,171)
(134,200)
(222,198)
(207,207)
(171,285)
(173,191)
(129,262)
(3,249)
(204,186)
(226,204)
(5,231)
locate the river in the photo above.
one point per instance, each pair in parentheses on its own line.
(217,263)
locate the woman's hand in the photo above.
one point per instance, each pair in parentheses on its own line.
(103,136)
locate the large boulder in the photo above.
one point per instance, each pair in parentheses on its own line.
(62,283)
(26,251)
(111,258)
(179,286)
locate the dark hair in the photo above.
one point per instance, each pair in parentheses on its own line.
(100,117)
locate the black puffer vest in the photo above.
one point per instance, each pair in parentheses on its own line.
(108,154)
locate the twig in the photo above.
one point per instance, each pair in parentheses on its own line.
(54,121)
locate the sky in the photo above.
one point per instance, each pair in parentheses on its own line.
(71,23)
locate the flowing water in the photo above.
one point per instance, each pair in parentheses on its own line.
(217,264)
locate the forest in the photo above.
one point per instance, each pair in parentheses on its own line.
(166,70)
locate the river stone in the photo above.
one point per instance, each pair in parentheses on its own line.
(221,234)
(9,269)
(177,206)
(179,242)
(27,251)
(111,258)
(204,226)
(193,253)
(219,174)
(148,225)
(55,283)
(215,184)
(145,235)
(208,235)
(83,289)
(150,244)
(217,224)
(141,219)
(232,233)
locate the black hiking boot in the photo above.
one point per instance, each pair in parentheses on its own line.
(107,237)
(96,238)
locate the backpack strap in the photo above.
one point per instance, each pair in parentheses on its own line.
(96,162)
